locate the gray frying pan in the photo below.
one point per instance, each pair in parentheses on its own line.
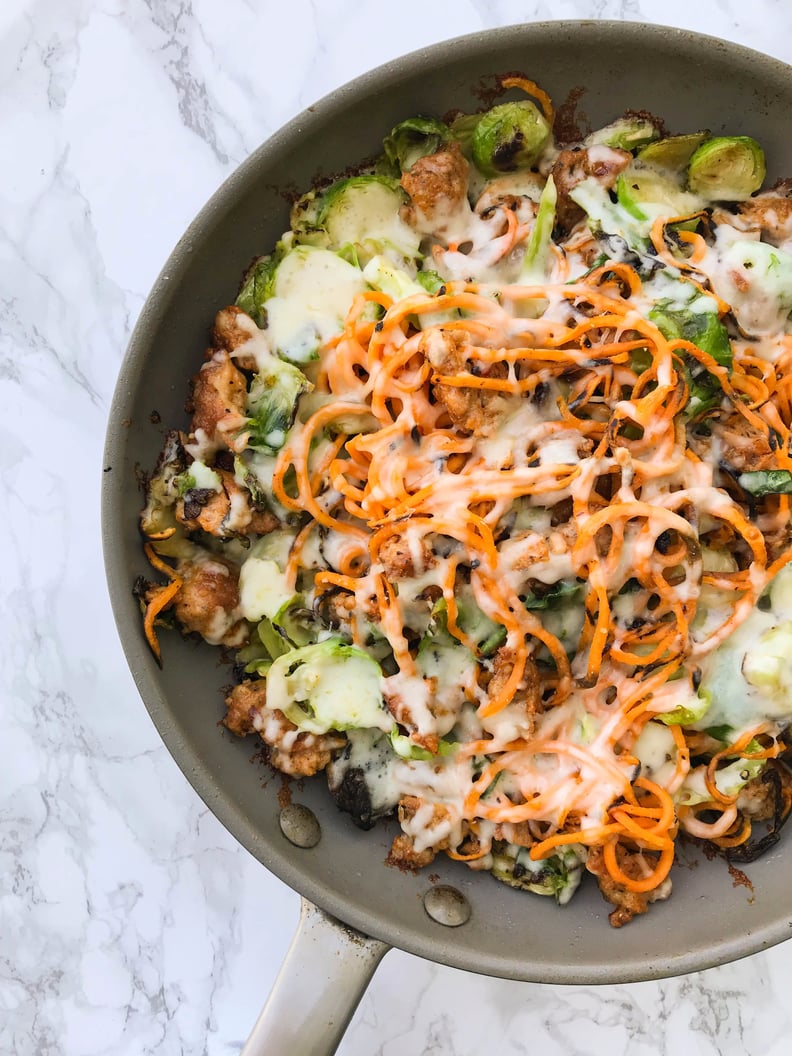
(692,82)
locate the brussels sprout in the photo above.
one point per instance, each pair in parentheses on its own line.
(647,193)
(413,139)
(674,152)
(727,168)
(509,137)
(360,778)
(537,251)
(655,749)
(683,312)
(383,275)
(272,640)
(697,324)
(354,211)
(164,488)
(748,677)
(558,876)
(692,711)
(258,285)
(462,128)
(766,666)
(313,290)
(263,589)
(272,404)
(628,133)
(328,686)
(253,469)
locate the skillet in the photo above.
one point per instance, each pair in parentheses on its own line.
(692,82)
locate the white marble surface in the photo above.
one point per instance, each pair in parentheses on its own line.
(130,921)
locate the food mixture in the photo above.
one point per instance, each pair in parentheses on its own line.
(487,487)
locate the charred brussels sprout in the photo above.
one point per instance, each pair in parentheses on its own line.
(413,139)
(164,487)
(727,168)
(558,876)
(360,777)
(509,137)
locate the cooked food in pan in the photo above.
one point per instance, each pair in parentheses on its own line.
(487,487)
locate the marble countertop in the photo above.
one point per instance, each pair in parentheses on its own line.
(131,922)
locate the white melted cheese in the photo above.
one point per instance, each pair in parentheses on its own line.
(756,280)
(369,215)
(749,677)
(262,589)
(206,479)
(313,291)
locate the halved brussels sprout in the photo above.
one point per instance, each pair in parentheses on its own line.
(647,193)
(313,291)
(382,274)
(328,686)
(258,285)
(674,152)
(727,168)
(462,130)
(406,749)
(627,133)
(272,404)
(767,666)
(558,876)
(353,211)
(413,139)
(610,218)
(509,137)
(163,487)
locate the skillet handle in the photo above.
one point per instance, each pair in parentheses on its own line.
(326,971)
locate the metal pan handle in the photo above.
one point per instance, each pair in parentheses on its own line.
(326,971)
